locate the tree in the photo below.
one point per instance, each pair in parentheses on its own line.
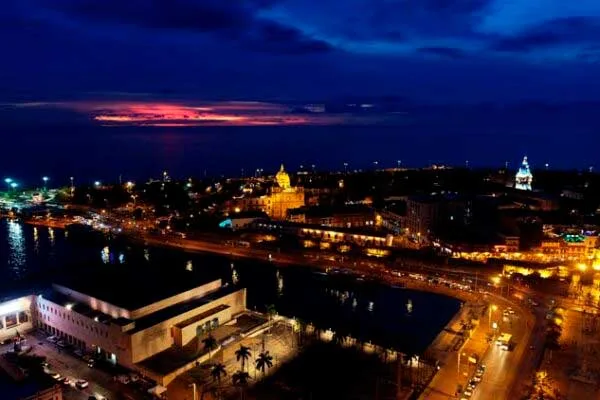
(241,379)
(210,343)
(218,371)
(264,361)
(243,354)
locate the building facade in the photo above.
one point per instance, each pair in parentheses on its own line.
(524,178)
(128,335)
(16,316)
(281,198)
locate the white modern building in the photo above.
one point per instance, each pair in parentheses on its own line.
(16,316)
(139,322)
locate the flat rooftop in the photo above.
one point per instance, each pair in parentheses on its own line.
(131,287)
(180,308)
(29,387)
(80,308)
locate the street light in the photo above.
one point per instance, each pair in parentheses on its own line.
(8,181)
(45,179)
(14,185)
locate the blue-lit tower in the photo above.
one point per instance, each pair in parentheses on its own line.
(524,177)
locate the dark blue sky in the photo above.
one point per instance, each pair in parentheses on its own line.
(428,50)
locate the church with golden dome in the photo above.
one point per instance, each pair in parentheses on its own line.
(284,196)
(281,197)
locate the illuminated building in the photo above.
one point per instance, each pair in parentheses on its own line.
(569,247)
(278,201)
(15,316)
(150,328)
(524,177)
(346,217)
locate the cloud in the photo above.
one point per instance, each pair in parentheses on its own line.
(232,20)
(554,33)
(448,52)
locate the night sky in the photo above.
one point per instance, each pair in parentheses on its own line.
(172,63)
(430,50)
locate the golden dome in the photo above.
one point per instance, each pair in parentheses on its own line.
(283,179)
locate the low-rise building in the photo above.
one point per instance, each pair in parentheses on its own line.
(342,217)
(121,317)
(30,389)
(15,316)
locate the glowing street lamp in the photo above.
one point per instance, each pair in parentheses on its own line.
(14,185)
(45,179)
(8,181)
(97,183)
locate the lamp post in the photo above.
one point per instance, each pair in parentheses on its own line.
(14,185)
(45,179)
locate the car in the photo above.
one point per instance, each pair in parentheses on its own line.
(61,344)
(54,375)
(134,377)
(61,379)
(477,378)
(52,339)
(68,382)
(78,353)
(45,364)
(81,383)
(467,393)
(124,379)
(91,364)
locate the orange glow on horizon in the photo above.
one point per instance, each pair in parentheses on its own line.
(183,114)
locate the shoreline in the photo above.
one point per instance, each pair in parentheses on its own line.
(380,275)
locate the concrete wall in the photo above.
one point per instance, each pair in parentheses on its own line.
(183,335)
(94,303)
(12,309)
(146,343)
(79,326)
(199,291)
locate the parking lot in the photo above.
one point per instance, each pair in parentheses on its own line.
(81,381)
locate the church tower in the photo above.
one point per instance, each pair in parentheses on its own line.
(524,177)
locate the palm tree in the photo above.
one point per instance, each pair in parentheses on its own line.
(264,361)
(210,343)
(218,371)
(271,311)
(240,379)
(243,354)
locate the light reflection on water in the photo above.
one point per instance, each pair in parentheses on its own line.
(16,242)
(36,240)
